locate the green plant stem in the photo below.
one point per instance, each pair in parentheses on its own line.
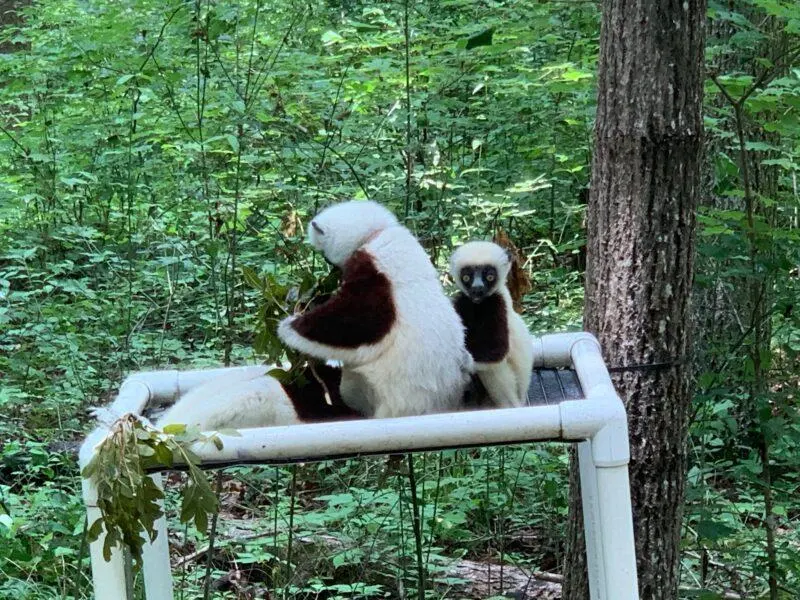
(769,520)
(409,168)
(435,503)
(289,547)
(79,561)
(758,289)
(417,526)
(212,536)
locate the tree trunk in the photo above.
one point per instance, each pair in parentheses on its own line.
(645,181)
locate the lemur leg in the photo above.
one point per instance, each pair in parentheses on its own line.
(501,384)
(233,403)
(522,367)
(354,391)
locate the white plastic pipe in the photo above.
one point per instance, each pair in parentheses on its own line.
(172,384)
(600,418)
(108,578)
(616,533)
(133,397)
(587,360)
(155,557)
(318,441)
(591,522)
(554,350)
(610,548)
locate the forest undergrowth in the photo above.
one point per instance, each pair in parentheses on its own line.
(158,160)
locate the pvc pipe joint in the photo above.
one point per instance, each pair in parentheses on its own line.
(554,350)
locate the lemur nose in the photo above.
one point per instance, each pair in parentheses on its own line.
(477,290)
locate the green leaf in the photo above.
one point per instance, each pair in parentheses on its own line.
(760,146)
(6,521)
(95,529)
(484,38)
(281,375)
(201,520)
(252,279)
(331,37)
(228,432)
(145,451)
(713,530)
(174,429)
(781,162)
(164,455)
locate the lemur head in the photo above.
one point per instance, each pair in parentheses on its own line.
(480,269)
(341,229)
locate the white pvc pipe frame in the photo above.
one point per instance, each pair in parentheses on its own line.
(598,424)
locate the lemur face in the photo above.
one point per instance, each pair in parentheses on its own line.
(478,281)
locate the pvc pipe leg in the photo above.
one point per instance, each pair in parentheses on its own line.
(591,523)
(108,578)
(616,533)
(155,558)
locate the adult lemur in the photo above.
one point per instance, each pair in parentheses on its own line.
(397,336)
(390,325)
(497,336)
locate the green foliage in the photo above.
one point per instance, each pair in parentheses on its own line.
(41,519)
(158,165)
(352,528)
(277,301)
(128,499)
(747,426)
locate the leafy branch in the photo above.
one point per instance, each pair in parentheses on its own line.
(128,499)
(278,300)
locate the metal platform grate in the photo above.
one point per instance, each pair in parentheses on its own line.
(552,386)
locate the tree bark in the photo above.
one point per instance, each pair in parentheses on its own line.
(641,221)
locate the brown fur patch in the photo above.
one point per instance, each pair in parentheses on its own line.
(518,282)
(308,396)
(487,327)
(361,312)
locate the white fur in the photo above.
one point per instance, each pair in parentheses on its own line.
(479,253)
(233,402)
(340,230)
(422,365)
(507,380)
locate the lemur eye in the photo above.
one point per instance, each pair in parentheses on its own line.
(490,277)
(465,278)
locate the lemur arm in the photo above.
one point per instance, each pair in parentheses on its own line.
(354,325)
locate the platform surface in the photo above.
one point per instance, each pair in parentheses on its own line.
(553,386)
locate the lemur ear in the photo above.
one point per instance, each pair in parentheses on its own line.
(317,228)
(509,256)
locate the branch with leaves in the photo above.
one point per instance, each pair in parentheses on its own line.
(128,498)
